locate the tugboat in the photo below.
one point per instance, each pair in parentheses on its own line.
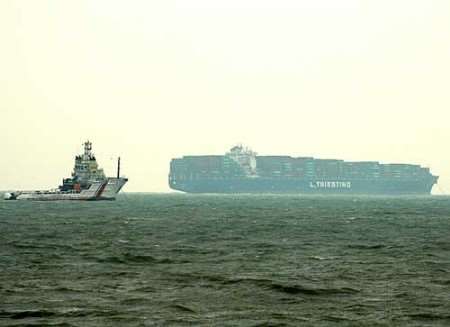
(88,182)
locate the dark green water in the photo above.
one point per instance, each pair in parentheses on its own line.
(178,260)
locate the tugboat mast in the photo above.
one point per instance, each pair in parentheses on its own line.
(118,168)
(87,150)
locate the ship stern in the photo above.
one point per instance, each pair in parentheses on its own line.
(112,188)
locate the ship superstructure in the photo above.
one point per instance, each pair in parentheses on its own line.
(245,158)
(242,171)
(87,182)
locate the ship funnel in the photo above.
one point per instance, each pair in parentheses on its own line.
(118,167)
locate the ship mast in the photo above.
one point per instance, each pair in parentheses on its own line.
(118,167)
(87,150)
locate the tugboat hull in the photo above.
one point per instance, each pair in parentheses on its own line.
(101,190)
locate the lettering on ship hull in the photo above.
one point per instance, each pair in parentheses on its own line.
(330,185)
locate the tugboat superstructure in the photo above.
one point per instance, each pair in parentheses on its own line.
(87,182)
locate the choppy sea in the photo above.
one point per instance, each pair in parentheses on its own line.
(188,260)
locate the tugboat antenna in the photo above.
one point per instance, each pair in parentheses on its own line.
(118,168)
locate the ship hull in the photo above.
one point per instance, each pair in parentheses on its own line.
(97,191)
(112,188)
(300,186)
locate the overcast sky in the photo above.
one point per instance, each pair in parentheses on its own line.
(153,80)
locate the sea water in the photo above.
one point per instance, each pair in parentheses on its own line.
(234,260)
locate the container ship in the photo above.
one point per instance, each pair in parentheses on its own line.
(242,171)
(88,182)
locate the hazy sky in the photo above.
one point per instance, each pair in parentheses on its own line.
(152,80)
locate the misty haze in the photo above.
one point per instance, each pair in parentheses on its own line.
(224,163)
